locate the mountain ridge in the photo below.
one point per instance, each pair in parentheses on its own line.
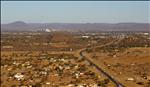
(22,26)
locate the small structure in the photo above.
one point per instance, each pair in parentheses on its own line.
(146,33)
(85,36)
(48,30)
(130,79)
(7,47)
(19,76)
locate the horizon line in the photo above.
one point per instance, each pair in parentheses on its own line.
(74,22)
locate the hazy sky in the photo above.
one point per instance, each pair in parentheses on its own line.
(75,11)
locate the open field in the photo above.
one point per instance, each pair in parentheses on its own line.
(127,59)
(130,67)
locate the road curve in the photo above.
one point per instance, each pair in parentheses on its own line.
(118,84)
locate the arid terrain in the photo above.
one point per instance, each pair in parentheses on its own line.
(126,59)
(75,43)
(75,59)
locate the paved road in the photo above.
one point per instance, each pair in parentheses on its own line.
(118,84)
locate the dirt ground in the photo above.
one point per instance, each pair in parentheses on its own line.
(130,67)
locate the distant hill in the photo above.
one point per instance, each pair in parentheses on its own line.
(17,26)
(22,26)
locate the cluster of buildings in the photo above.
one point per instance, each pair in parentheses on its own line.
(47,70)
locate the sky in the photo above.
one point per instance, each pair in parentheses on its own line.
(75,11)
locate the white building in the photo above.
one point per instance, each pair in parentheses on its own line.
(85,36)
(48,30)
